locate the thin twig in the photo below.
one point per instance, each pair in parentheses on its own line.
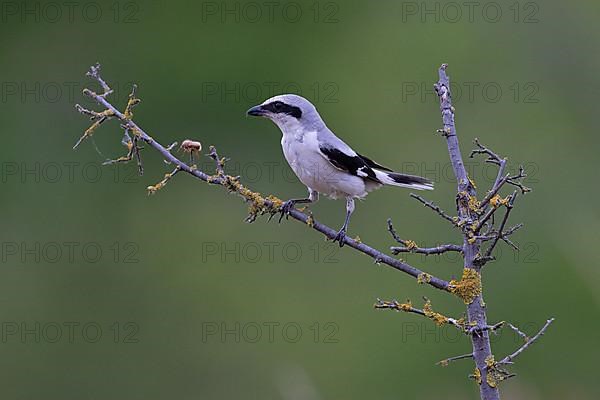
(444,248)
(516,180)
(481,149)
(492,158)
(438,318)
(434,207)
(445,362)
(491,235)
(519,332)
(94,72)
(509,207)
(478,330)
(495,189)
(411,246)
(220,162)
(508,359)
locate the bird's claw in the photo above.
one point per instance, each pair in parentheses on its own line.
(341,235)
(285,209)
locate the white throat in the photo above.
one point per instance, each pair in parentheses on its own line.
(291,129)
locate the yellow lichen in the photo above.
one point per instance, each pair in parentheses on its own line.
(494,376)
(473,203)
(131,102)
(310,221)
(405,306)
(438,318)
(469,287)
(490,379)
(504,201)
(494,201)
(477,375)
(155,188)
(423,278)
(357,239)
(259,205)
(277,202)
(135,131)
(410,244)
(498,201)
(99,119)
(472,183)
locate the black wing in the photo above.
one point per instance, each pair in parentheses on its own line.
(373,164)
(353,164)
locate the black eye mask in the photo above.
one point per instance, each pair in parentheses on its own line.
(278,107)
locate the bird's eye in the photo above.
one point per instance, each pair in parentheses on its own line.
(278,105)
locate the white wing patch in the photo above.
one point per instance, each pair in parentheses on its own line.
(362,172)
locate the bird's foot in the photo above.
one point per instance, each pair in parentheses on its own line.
(341,235)
(285,209)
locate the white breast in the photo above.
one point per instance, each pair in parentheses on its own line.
(317,173)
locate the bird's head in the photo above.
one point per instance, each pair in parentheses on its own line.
(289,112)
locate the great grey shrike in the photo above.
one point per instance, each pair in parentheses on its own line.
(322,161)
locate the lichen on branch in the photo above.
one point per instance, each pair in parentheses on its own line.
(468,287)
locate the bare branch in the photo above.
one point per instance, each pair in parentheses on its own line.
(519,332)
(446,361)
(411,246)
(492,158)
(478,330)
(509,207)
(501,181)
(516,180)
(484,219)
(508,359)
(136,152)
(494,191)
(220,162)
(94,72)
(491,235)
(127,142)
(435,208)
(481,149)
(426,250)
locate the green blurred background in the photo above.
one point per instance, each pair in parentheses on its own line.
(109,293)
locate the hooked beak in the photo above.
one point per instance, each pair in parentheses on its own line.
(256,111)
